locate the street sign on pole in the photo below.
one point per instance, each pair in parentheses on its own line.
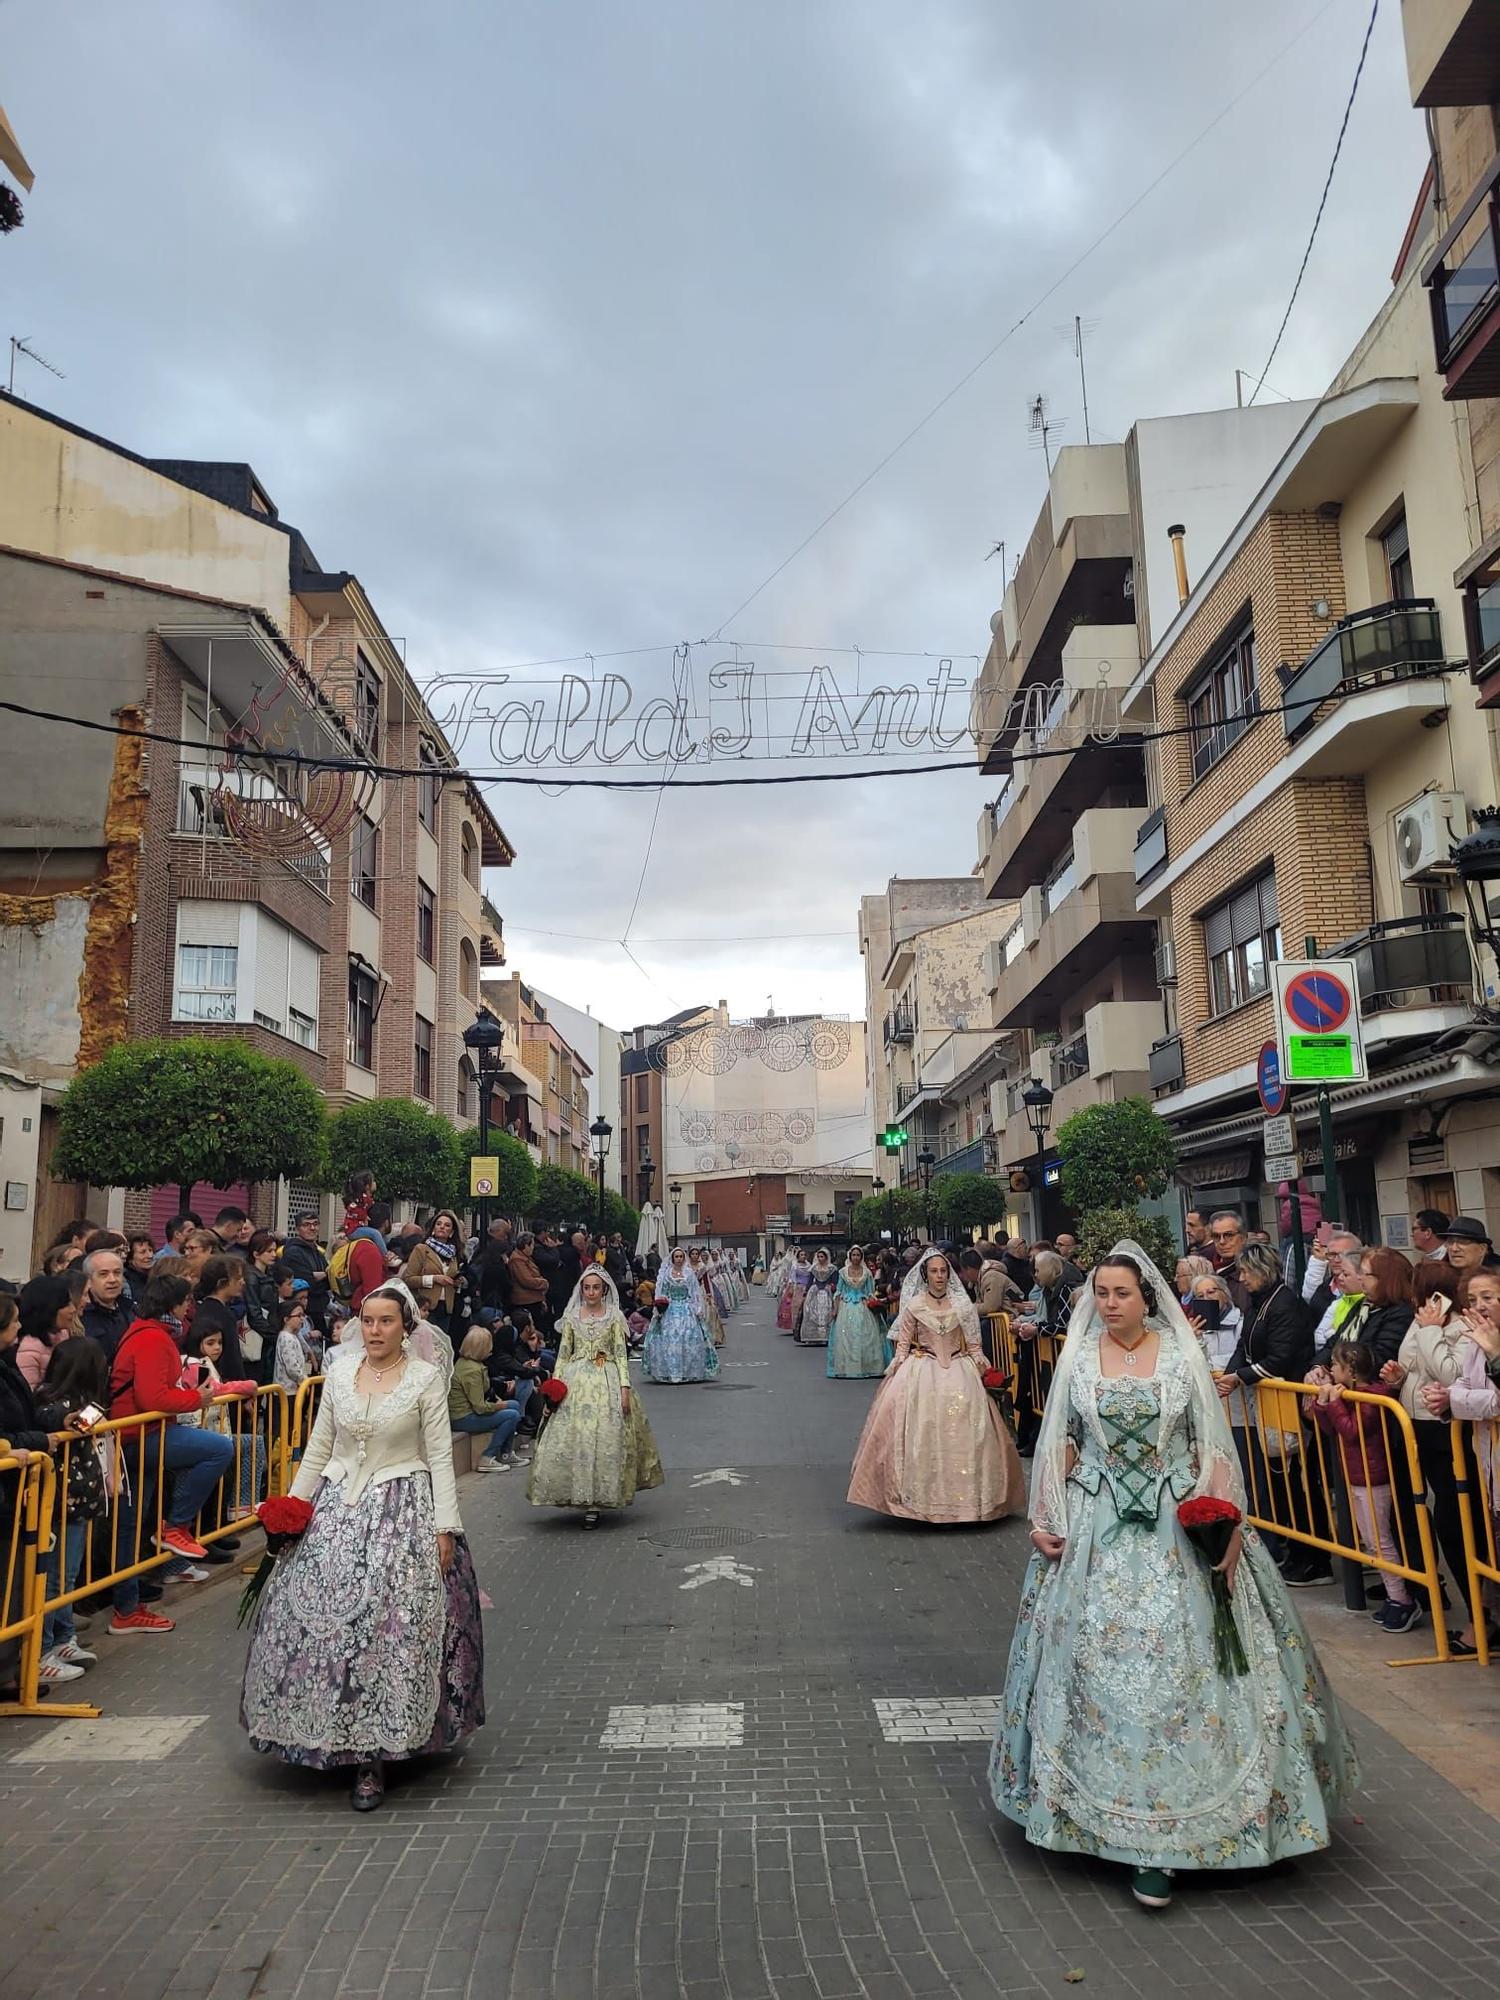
(1268,1081)
(1283,1167)
(1278,1135)
(1317,1021)
(484,1175)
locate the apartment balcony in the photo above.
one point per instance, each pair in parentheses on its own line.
(1104,1064)
(968,1159)
(1166,1066)
(1072,930)
(1452,53)
(1074,576)
(898,1027)
(1381,665)
(1415,976)
(1151,845)
(1045,793)
(1462,277)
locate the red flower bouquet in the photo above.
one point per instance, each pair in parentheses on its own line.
(1210,1525)
(993,1379)
(285,1520)
(659,1304)
(553,1392)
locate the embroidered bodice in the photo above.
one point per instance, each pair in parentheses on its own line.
(1132,1436)
(858,1291)
(359,1441)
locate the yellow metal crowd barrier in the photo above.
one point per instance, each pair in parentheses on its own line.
(1311,1487)
(304,1416)
(1478,1511)
(51,1561)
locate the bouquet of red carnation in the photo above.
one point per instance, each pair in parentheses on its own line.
(1210,1525)
(553,1392)
(285,1521)
(659,1304)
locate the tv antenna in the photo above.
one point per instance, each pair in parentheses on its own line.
(1041,425)
(21,344)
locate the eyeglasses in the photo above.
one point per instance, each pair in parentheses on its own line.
(1223,1235)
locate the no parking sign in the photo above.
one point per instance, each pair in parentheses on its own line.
(1317,1021)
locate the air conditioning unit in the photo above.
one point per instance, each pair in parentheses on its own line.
(1426,831)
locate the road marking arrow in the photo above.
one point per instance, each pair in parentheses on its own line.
(722,1475)
(718,1569)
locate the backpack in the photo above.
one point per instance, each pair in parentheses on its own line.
(341,1270)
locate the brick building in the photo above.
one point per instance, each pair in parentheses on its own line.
(343,926)
(1319,752)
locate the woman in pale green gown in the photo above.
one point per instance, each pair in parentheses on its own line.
(595,1451)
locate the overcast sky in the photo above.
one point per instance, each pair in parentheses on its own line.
(561,324)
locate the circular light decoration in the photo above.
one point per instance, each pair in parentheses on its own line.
(746,1038)
(712,1051)
(707,1162)
(772,1126)
(800,1126)
(781,1158)
(784,1047)
(828,1043)
(747,1124)
(676,1058)
(696,1128)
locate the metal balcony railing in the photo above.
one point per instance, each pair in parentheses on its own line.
(1151,844)
(1070,1062)
(1412,962)
(1165,1064)
(1388,642)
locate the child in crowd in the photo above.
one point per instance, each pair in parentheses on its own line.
(296,1356)
(77,1379)
(205,1346)
(1361,1433)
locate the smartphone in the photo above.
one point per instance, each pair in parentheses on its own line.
(88,1416)
(1442,1301)
(191,1371)
(1209,1311)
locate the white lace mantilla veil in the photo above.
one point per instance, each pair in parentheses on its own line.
(611,1292)
(426,1341)
(914,1289)
(1213,1441)
(864,1264)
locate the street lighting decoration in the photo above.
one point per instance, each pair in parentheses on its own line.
(675,1191)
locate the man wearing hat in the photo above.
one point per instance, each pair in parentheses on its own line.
(1468,1245)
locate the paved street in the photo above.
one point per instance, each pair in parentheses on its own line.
(734,1751)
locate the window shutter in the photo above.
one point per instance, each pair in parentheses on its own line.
(1270,914)
(1244,915)
(1216,932)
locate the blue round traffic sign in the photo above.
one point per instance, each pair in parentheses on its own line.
(1317,1002)
(1273,1092)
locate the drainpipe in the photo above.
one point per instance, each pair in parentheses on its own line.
(1175,536)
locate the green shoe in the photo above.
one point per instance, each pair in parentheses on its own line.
(1152,1887)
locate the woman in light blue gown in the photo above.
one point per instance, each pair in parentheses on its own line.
(856,1340)
(679,1346)
(1118,1734)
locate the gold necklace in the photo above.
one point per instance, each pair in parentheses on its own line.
(1128,1350)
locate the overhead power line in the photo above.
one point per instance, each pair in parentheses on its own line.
(988,356)
(1338,147)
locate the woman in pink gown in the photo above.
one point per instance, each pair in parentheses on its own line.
(935,1446)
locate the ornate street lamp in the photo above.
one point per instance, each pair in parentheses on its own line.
(601,1132)
(926,1161)
(483,1039)
(1037,1099)
(675,1191)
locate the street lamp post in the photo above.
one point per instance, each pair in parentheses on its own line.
(647,1172)
(1038,1102)
(926,1161)
(601,1131)
(675,1191)
(482,1038)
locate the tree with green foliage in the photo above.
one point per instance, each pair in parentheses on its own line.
(564,1198)
(898,1209)
(618,1214)
(412,1152)
(1114,1157)
(964,1202)
(516,1192)
(174,1112)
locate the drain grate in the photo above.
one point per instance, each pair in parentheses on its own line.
(704,1538)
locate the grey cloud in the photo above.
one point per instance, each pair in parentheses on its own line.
(562,323)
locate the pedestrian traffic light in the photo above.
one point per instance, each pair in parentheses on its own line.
(893,1138)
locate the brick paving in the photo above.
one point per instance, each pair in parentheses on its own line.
(762,1791)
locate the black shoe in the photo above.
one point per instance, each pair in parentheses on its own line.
(218,1553)
(1308,1576)
(369,1788)
(230,1545)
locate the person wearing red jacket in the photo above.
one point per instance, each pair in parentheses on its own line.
(145,1376)
(367,1255)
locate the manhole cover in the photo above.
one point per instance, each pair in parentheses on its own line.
(704,1538)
